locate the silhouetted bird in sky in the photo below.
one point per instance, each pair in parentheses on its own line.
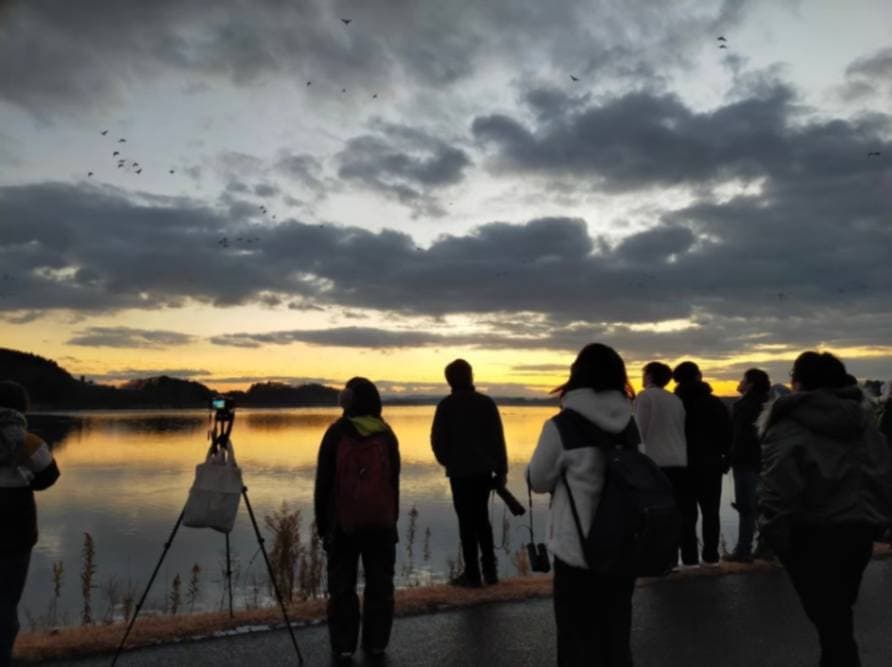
(722,46)
(171,171)
(721,38)
(104,132)
(122,141)
(574,78)
(343,90)
(346,21)
(309,83)
(116,153)
(874,154)
(375,96)
(120,164)
(139,171)
(89,173)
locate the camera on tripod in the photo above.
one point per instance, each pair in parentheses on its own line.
(222,405)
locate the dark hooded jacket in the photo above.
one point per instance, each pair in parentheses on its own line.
(745,446)
(824,462)
(707,426)
(467,436)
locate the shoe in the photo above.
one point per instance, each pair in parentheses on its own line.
(491,579)
(465,581)
(736,557)
(710,563)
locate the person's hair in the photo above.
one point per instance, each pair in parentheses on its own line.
(362,398)
(758,379)
(14,396)
(459,374)
(600,368)
(659,373)
(687,372)
(814,370)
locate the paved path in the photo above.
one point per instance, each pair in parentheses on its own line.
(730,621)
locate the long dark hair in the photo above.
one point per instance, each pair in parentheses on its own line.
(814,370)
(600,368)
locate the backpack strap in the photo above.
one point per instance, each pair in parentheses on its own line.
(575,514)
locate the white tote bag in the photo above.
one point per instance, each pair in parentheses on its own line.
(214,497)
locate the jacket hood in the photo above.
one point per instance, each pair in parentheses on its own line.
(693,389)
(608,410)
(368,425)
(837,413)
(12,431)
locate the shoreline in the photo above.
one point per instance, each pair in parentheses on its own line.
(81,641)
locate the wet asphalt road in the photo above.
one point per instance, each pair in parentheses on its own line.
(735,620)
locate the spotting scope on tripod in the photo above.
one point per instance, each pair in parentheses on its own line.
(213,503)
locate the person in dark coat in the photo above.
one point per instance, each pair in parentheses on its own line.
(356,503)
(825,493)
(746,457)
(467,439)
(708,435)
(26,466)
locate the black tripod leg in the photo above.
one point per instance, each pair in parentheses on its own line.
(272,577)
(229,576)
(148,587)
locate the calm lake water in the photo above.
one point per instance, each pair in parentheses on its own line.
(126,475)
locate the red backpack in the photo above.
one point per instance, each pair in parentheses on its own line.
(364,494)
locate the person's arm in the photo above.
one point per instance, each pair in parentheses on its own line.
(500,449)
(545,466)
(326,465)
(439,435)
(781,484)
(38,459)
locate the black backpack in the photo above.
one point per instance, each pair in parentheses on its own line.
(635,530)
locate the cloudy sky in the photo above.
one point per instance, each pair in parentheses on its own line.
(233,190)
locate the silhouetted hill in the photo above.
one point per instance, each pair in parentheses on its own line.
(51,387)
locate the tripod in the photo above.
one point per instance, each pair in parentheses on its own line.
(219,437)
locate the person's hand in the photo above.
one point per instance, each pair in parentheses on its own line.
(500,480)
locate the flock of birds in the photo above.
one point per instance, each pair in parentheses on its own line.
(132,166)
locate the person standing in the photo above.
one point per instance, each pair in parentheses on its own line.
(825,493)
(467,439)
(26,466)
(356,504)
(592,610)
(661,421)
(746,457)
(708,435)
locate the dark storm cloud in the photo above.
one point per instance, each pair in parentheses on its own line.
(405,164)
(869,75)
(87,54)
(127,337)
(656,245)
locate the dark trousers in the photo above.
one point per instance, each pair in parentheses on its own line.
(13,573)
(746,479)
(698,487)
(593,613)
(825,564)
(378,554)
(686,500)
(470,497)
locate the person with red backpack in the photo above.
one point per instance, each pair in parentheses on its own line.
(357,506)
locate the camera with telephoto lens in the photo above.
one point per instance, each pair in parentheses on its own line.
(537,554)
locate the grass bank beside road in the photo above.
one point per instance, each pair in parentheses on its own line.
(94,639)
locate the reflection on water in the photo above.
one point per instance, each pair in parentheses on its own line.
(126,475)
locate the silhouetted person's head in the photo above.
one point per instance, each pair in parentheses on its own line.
(687,372)
(818,370)
(656,374)
(600,368)
(459,374)
(755,380)
(360,398)
(14,396)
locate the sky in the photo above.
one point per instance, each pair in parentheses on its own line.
(238,191)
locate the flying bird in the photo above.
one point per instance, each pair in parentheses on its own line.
(721,38)
(574,78)
(874,154)
(375,96)
(346,21)
(309,83)
(139,171)
(120,164)
(171,171)
(343,90)
(104,132)
(122,141)
(722,46)
(89,173)
(116,153)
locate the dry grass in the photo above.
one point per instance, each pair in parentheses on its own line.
(79,641)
